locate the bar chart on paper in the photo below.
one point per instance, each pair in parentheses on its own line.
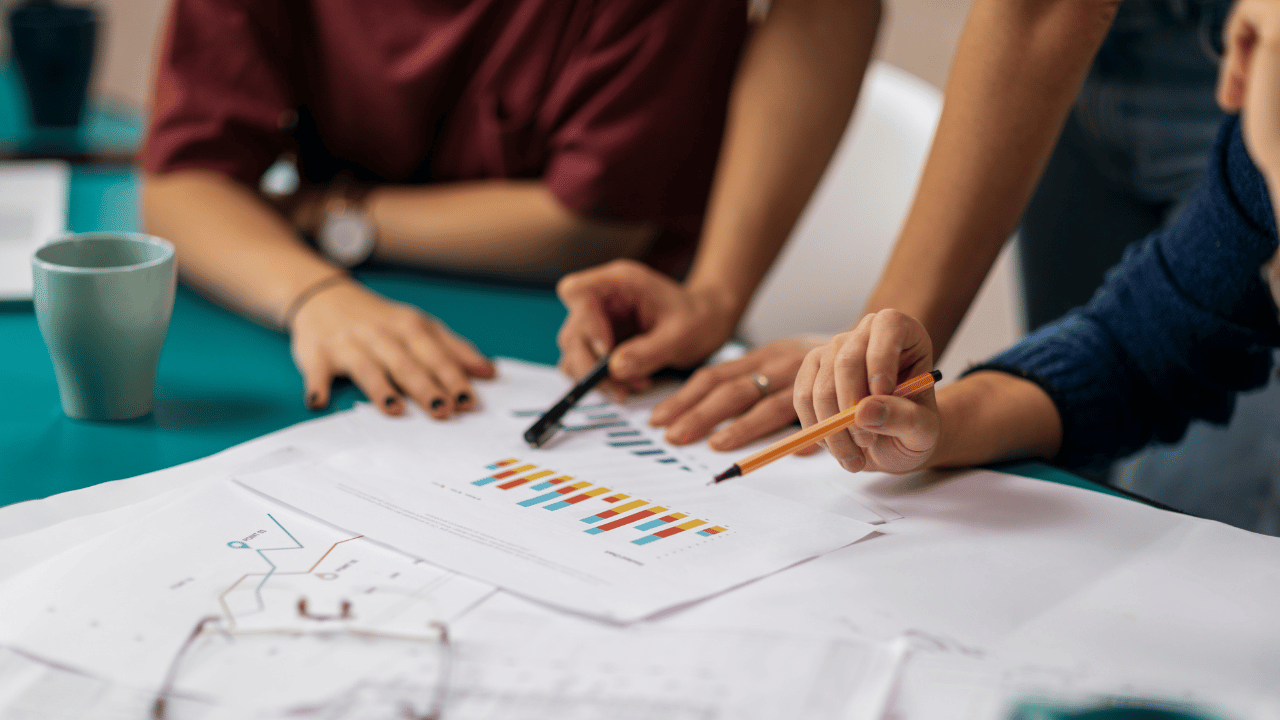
(553,491)
(580,526)
(615,430)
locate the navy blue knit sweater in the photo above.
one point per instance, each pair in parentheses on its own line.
(1181,325)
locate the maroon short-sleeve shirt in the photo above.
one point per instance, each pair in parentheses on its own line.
(617,105)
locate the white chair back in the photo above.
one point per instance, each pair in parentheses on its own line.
(825,274)
(840,244)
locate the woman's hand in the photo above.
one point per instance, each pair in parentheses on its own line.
(1249,80)
(389,350)
(755,389)
(1249,83)
(645,318)
(891,434)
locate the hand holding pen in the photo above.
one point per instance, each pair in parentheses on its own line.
(889,434)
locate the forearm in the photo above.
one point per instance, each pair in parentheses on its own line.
(1016,73)
(990,416)
(230,243)
(505,227)
(792,97)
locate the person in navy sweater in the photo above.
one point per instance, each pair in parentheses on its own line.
(1184,323)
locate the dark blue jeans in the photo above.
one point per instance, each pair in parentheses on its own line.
(1133,149)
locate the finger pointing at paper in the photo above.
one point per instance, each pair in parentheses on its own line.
(891,434)
(653,322)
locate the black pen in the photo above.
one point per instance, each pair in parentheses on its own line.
(540,432)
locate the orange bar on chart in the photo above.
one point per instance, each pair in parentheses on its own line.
(522,480)
(504,474)
(603,514)
(627,520)
(554,494)
(680,528)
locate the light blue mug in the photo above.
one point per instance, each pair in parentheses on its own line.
(103,302)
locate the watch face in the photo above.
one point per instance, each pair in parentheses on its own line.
(346,237)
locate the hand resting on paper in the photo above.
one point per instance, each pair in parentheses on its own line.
(730,391)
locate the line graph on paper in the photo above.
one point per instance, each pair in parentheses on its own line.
(120,608)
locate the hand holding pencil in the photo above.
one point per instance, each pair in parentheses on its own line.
(889,434)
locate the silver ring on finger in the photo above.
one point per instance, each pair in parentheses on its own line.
(761,382)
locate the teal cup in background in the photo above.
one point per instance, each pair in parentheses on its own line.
(103,302)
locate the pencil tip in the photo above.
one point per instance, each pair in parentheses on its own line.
(733,471)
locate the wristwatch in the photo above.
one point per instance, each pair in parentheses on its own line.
(346,236)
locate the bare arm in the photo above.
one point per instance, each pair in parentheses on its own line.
(1017,71)
(510,228)
(792,97)
(990,416)
(231,244)
(505,227)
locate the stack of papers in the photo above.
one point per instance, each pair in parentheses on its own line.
(365,566)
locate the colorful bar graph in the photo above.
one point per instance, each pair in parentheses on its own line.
(576,499)
(604,514)
(596,426)
(527,478)
(504,474)
(661,521)
(620,522)
(562,492)
(552,482)
(554,494)
(669,532)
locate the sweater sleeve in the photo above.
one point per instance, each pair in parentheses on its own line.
(1179,327)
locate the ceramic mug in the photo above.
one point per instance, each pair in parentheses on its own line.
(103,302)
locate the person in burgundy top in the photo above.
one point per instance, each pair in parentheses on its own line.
(515,137)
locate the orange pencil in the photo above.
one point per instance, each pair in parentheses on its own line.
(818,431)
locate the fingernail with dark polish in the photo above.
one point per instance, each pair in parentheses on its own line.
(464,398)
(313,401)
(389,401)
(437,403)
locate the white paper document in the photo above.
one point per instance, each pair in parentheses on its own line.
(579,525)
(506,660)
(121,607)
(522,391)
(33,209)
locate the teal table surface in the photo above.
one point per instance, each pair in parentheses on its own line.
(107,127)
(224,380)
